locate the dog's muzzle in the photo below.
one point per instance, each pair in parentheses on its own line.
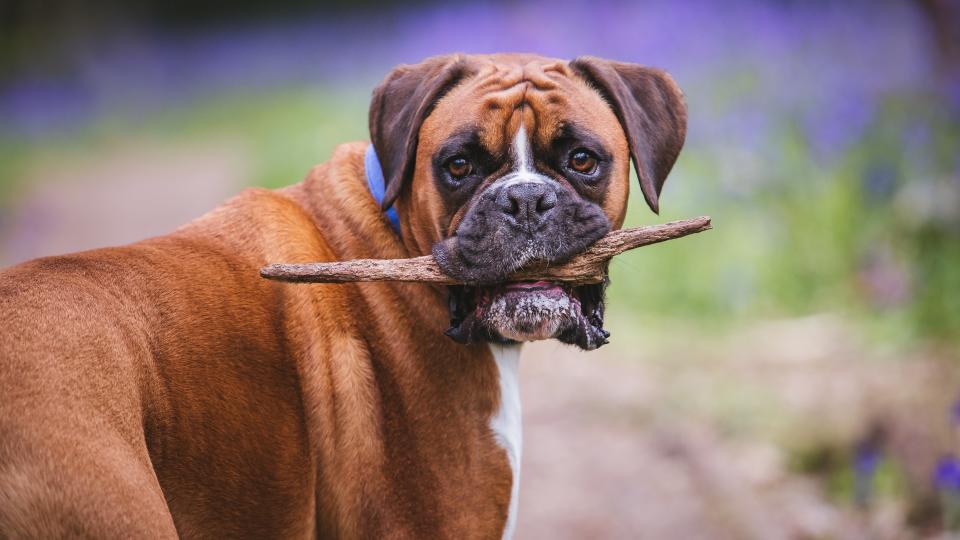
(512,224)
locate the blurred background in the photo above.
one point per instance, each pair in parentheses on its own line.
(793,373)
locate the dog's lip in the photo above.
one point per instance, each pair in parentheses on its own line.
(486,295)
(530,285)
(471,308)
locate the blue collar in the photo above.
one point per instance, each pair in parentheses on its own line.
(371,164)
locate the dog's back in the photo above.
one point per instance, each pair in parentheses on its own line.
(112,363)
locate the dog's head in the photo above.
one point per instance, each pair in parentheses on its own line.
(498,162)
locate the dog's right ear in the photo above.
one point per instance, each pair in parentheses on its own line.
(399,106)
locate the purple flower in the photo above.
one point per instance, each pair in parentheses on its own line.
(866,459)
(946,477)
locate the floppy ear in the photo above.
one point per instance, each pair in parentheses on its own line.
(399,106)
(652,112)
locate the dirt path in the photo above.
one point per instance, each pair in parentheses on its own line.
(599,462)
(691,438)
(128,191)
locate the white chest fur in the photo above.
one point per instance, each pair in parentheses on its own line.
(506,424)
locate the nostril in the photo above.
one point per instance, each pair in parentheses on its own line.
(546,201)
(514,206)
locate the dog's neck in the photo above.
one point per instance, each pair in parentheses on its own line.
(378,185)
(338,197)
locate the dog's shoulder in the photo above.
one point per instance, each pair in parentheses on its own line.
(218,255)
(259,226)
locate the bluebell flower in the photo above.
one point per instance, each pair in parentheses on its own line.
(866,459)
(946,476)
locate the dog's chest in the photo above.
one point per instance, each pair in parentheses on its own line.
(506,423)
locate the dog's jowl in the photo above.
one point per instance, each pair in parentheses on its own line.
(163,390)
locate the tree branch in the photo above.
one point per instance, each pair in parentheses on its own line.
(587,267)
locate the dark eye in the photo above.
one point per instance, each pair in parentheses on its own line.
(583,161)
(459,166)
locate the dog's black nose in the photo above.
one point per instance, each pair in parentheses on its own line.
(527,202)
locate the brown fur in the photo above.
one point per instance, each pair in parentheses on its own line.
(165,384)
(165,389)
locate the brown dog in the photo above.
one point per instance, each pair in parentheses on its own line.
(164,389)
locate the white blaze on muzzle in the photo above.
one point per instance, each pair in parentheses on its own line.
(524,170)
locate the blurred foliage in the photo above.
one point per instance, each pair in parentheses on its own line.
(875,234)
(289,130)
(833,185)
(798,245)
(26,25)
(837,468)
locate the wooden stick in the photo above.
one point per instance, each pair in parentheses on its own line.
(587,267)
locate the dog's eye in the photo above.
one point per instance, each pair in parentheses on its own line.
(459,166)
(583,161)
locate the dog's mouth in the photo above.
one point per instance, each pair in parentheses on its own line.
(495,240)
(528,311)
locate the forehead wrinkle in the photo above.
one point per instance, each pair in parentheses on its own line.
(536,74)
(511,94)
(492,83)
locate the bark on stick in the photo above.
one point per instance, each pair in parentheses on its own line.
(587,267)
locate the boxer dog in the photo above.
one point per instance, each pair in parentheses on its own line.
(164,389)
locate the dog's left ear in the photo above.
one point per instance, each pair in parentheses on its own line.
(652,112)
(399,106)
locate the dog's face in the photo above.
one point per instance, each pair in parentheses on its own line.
(500,162)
